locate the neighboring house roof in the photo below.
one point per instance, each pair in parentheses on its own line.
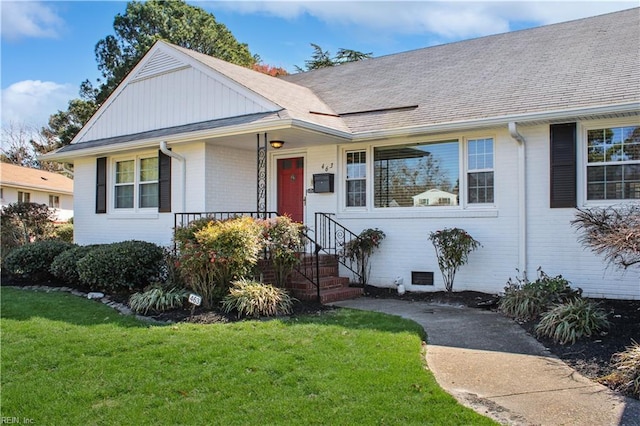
(34,179)
(585,63)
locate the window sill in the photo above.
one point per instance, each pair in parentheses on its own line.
(129,216)
(418,213)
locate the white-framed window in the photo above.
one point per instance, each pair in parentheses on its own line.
(356,179)
(480,186)
(54,201)
(613,163)
(136,183)
(417,174)
(24,197)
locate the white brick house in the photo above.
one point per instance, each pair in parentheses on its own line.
(522,127)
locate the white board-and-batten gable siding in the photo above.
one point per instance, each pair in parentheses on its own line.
(167,89)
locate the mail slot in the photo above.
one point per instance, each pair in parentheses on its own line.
(323,182)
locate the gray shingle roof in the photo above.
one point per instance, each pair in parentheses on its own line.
(584,63)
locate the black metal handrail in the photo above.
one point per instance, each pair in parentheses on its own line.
(334,239)
(181,220)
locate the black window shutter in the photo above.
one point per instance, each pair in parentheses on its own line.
(101,185)
(563,165)
(164,183)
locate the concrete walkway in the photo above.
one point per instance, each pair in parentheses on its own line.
(489,363)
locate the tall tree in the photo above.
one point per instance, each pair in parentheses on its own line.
(20,145)
(142,24)
(322,58)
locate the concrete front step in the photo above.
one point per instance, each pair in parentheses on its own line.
(330,295)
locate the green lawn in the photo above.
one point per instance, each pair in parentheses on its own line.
(66,360)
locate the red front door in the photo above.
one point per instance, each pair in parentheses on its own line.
(291,187)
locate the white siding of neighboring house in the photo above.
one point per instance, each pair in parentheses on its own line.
(62,214)
(182,96)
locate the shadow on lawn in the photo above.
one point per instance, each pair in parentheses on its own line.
(24,305)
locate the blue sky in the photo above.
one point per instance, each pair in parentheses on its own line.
(47,47)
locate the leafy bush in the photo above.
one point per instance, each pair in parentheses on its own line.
(32,260)
(571,321)
(218,253)
(123,266)
(525,300)
(283,240)
(34,221)
(65,266)
(254,299)
(64,232)
(361,248)
(158,298)
(452,249)
(626,377)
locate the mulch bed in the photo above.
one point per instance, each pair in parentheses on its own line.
(589,356)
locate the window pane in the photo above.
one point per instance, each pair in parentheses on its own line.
(356,165)
(416,175)
(480,187)
(616,151)
(149,169)
(356,193)
(124,196)
(149,195)
(125,171)
(480,154)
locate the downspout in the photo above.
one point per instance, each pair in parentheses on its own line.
(180,158)
(522,197)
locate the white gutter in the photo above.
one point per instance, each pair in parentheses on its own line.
(522,197)
(180,158)
(544,116)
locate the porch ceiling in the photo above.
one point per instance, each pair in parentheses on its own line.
(292,137)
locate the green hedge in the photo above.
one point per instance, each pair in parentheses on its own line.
(32,261)
(121,267)
(65,265)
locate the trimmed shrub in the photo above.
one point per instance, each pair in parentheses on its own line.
(255,299)
(32,261)
(626,376)
(220,252)
(121,267)
(158,298)
(64,232)
(524,300)
(571,321)
(65,266)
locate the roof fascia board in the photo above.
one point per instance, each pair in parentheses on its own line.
(195,136)
(633,107)
(19,185)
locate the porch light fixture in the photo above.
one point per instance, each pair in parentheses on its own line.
(276,144)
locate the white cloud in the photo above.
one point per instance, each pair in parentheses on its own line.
(450,20)
(32,101)
(21,19)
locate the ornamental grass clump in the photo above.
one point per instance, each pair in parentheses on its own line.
(283,240)
(525,300)
(452,249)
(361,248)
(573,320)
(158,298)
(626,375)
(255,299)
